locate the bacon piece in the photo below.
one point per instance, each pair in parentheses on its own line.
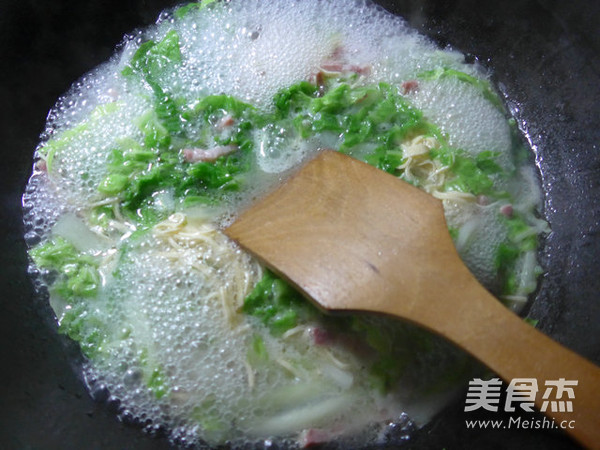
(321,336)
(41,165)
(225,122)
(314,436)
(337,66)
(194,155)
(506,210)
(410,86)
(336,62)
(361,70)
(332,67)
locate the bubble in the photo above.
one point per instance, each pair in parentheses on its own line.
(470,120)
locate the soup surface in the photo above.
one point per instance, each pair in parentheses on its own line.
(148,157)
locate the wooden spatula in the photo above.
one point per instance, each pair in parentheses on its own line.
(354,238)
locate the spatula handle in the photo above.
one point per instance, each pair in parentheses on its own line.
(514,350)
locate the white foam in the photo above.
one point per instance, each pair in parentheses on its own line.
(472,123)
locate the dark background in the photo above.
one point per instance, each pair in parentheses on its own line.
(544,53)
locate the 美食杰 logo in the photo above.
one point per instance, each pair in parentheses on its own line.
(520,394)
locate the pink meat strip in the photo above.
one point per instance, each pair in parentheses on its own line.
(314,436)
(225,122)
(194,155)
(506,210)
(410,86)
(336,66)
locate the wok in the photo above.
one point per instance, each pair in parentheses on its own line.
(545,56)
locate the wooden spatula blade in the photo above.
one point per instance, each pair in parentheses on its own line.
(340,230)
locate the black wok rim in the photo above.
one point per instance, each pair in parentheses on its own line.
(553,90)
